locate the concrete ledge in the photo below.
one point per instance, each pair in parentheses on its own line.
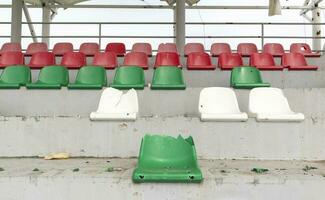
(224,179)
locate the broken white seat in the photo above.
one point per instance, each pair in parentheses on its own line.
(114,105)
(220,104)
(270,104)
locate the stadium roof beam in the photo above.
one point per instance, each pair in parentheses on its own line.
(30,25)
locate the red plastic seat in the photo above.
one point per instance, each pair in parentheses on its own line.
(219,48)
(61,48)
(73,60)
(264,61)
(11,58)
(89,49)
(304,49)
(167,59)
(193,47)
(275,49)
(136,59)
(42,59)
(8,47)
(167,47)
(296,61)
(246,49)
(117,48)
(142,47)
(227,61)
(36,47)
(107,60)
(199,61)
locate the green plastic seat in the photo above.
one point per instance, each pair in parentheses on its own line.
(246,78)
(168,78)
(13,77)
(90,77)
(51,77)
(167,159)
(127,77)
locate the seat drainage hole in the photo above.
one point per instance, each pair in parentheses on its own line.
(191,177)
(141,176)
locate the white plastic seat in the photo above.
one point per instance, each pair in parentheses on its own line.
(114,105)
(220,104)
(270,104)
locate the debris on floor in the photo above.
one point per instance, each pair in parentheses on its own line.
(54,156)
(307,168)
(259,170)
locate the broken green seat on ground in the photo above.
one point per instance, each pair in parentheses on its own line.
(128,77)
(247,78)
(51,77)
(13,77)
(168,78)
(90,77)
(167,159)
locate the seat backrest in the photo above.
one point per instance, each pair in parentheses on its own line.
(167,47)
(36,47)
(12,58)
(218,99)
(16,74)
(246,49)
(92,75)
(300,48)
(261,59)
(230,59)
(42,59)
(10,46)
(129,75)
(73,59)
(193,47)
(142,47)
(114,101)
(136,59)
(89,49)
(219,48)
(118,48)
(173,153)
(167,59)
(62,48)
(246,75)
(293,59)
(273,48)
(268,100)
(105,59)
(54,75)
(168,75)
(198,59)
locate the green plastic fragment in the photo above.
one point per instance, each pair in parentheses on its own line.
(246,78)
(2,169)
(128,77)
(307,168)
(90,77)
(35,170)
(259,170)
(75,170)
(167,159)
(168,78)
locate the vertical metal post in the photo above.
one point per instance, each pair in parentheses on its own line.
(16,19)
(46,19)
(262,35)
(180,25)
(317,29)
(100,35)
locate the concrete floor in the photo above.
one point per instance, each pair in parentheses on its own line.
(223,179)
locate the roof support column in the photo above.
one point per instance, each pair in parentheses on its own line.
(180,25)
(46,19)
(317,29)
(16,19)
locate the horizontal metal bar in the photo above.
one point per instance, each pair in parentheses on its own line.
(163,23)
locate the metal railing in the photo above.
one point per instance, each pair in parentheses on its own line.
(100,36)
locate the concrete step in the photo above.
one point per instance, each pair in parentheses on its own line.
(223,179)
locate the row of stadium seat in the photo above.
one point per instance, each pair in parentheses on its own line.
(215,104)
(126,77)
(90,49)
(195,60)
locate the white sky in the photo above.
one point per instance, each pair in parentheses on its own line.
(164,15)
